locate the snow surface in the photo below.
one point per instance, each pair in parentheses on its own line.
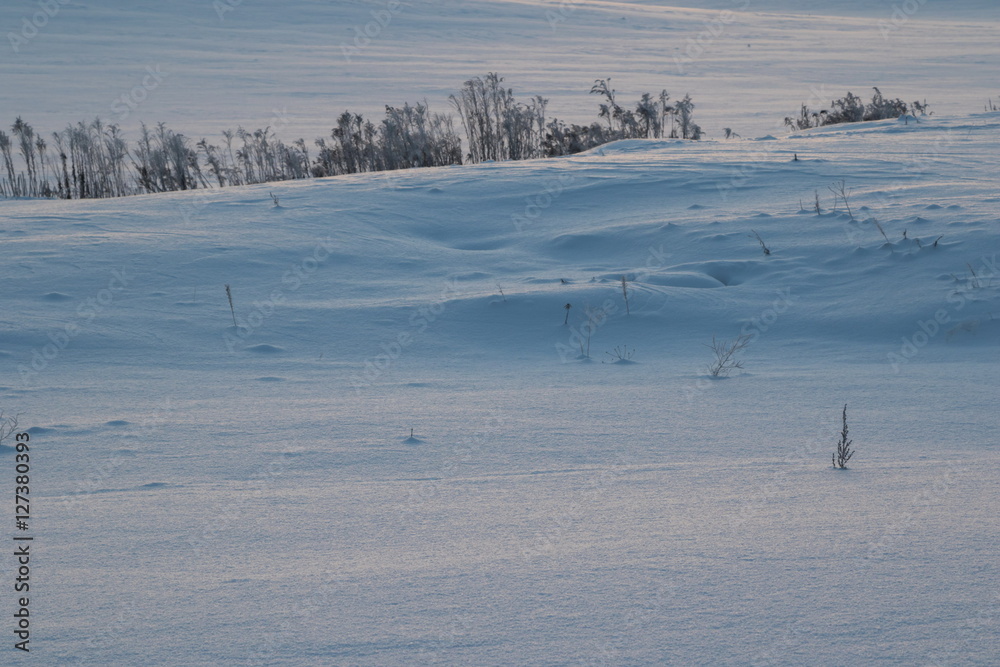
(217,495)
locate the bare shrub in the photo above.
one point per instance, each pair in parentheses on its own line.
(625,295)
(844,451)
(229,295)
(843,193)
(852,109)
(497,127)
(767,251)
(621,354)
(8,424)
(726,354)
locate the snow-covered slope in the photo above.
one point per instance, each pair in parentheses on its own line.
(207,493)
(211,494)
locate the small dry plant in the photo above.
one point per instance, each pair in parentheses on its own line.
(882,231)
(589,324)
(229,295)
(975,281)
(625,295)
(843,193)
(621,354)
(767,251)
(726,355)
(8,424)
(844,451)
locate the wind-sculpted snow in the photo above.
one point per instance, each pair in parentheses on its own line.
(548,507)
(410,440)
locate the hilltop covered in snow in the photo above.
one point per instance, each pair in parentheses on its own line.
(217,486)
